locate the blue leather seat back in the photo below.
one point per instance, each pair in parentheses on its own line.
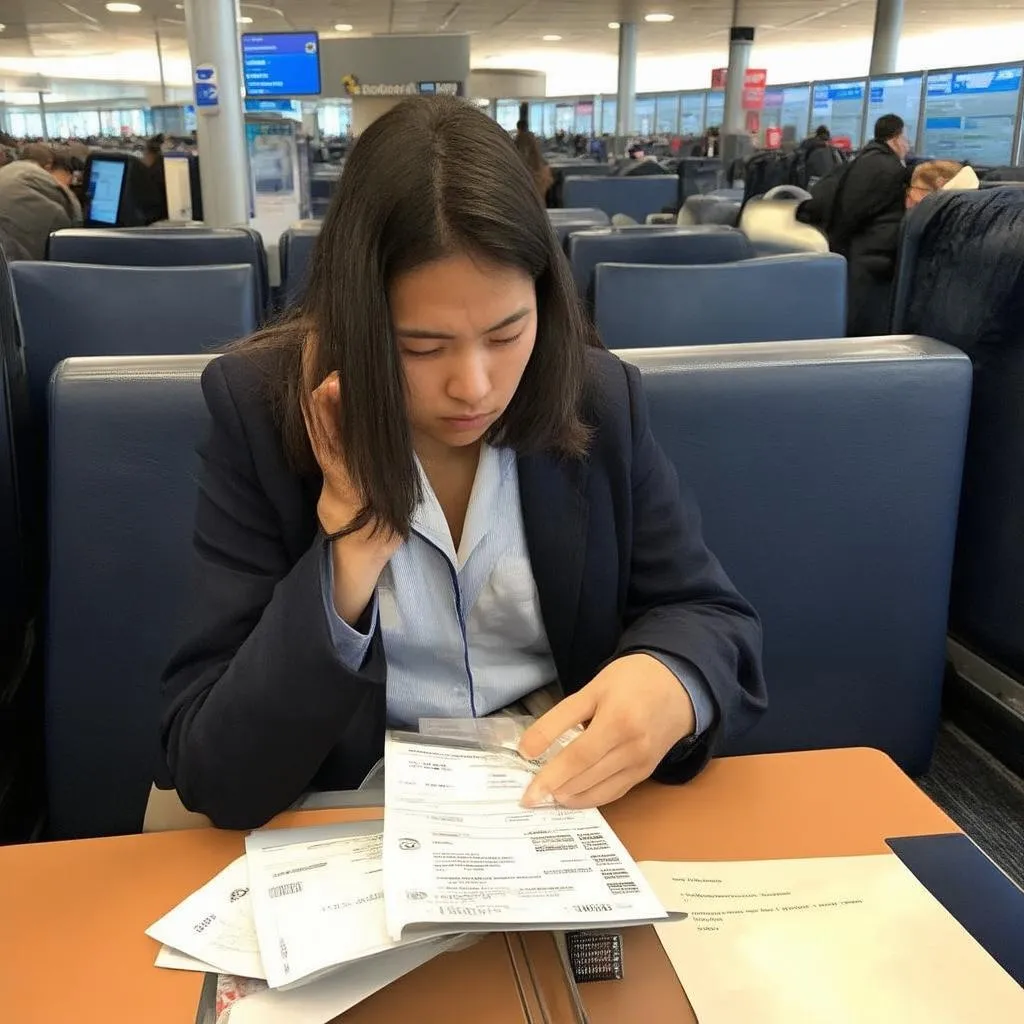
(295,251)
(73,309)
(960,274)
(566,221)
(828,475)
(634,196)
(123,467)
(772,298)
(166,247)
(652,244)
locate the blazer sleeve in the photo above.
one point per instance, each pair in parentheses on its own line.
(256,697)
(680,601)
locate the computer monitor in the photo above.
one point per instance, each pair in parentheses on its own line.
(105,179)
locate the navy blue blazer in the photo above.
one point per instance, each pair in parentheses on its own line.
(257,707)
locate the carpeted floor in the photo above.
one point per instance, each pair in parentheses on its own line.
(982,796)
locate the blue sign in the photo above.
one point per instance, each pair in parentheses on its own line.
(207,95)
(974,82)
(272,107)
(281,63)
(824,94)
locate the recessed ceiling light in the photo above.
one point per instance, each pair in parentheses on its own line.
(3,28)
(123,8)
(613,24)
(659,18)
(244,19)
(552,39)
(343,28)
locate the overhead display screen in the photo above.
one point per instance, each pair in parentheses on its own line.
(281,63)
(970,115)
(840,107)
(895,96)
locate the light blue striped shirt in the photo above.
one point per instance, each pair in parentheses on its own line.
(462,629)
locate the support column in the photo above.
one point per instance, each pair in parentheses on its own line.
(625,109)
(212,27)
(886,42)
(735,140)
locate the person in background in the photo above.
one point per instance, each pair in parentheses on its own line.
(431,492)
(640,163)
(939,175)
(709,144)
(35,200)
(528,148)
(816,156)
(153,202)
(864,225)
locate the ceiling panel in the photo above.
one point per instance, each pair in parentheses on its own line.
(83,28)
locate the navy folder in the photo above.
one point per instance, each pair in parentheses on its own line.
(984,900)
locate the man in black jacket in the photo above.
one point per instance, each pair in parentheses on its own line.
(816,156)
(865,225)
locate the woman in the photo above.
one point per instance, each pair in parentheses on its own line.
(528,148)
(430,493)
(936,176)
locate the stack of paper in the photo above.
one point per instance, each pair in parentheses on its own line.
(461,854)
(344,909)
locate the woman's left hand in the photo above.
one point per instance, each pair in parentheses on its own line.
(635,711)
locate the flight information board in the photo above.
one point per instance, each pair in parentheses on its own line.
(840,107)
(281,63)
(971,115)
(691,113)
(788,108)
(894,96)
(716,109)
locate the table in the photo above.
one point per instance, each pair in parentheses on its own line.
(73,914)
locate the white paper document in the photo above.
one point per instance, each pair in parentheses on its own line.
(317,899)
(215,925)
(325,998)
(834,940)
(461,854)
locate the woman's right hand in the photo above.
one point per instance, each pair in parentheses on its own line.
(358,558)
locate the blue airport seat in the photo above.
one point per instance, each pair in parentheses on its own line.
(961,264)
(566,221)
(634,196)
(295,251)
(828,475)
(166,247)
(73,309)
(772,298)
(644,243)
(123,435)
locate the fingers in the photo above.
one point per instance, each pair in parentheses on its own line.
(584,753)
(573,710)
(604,792)
(617,759)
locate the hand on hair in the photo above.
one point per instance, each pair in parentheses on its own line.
(635,711)
(359,557)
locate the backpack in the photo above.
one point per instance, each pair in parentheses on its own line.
(800,174)
(820,209)
(765,170)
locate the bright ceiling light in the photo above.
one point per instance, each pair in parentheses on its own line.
(3,28)
(244,19)
(123,8)
(343,28)
(552,39)
(613,24)
(659,18)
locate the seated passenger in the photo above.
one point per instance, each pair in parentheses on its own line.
(939,175)
(35,200)
(430,492)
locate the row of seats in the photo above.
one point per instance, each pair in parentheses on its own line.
(828,473)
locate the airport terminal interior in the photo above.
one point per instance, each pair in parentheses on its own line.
(797,226)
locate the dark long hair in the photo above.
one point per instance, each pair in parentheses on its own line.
(430,178)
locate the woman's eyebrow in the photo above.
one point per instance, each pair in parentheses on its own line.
(427,333)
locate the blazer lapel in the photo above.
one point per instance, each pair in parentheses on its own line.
(555,511)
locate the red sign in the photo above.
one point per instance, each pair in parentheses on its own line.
(843,142)
(718,77)
(584,109)
(753,122)
(773,137)
(754,82)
